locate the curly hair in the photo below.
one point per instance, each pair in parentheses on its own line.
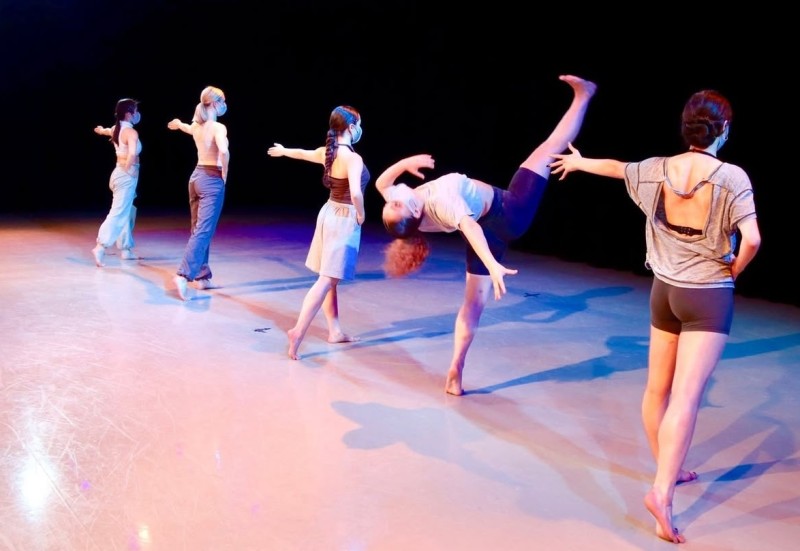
(406,255)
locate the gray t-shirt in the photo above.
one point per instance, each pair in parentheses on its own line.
(695,261)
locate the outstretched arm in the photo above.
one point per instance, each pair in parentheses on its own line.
(411,165)
(566,163)
(474,235)
(176,124)
(311,155)
(104,131)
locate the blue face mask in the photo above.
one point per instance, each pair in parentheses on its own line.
(136,118)
(222,108)
(355,136)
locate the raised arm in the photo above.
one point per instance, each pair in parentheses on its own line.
(104,131)
(311,155)
(412,165)
(177,124)
(566,163)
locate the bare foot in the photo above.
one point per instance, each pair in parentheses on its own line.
(336,338)
(180,286)
(662,512)
(98,253)
(685,476)
(581,86)
(294,343)
(453,383)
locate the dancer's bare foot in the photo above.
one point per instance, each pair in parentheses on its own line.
(685,476)
(453,383)
(294,343)
(582,87)
(662,512)
(335,338)
(98,253)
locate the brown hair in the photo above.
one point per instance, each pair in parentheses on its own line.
(124,106)
(340,120)
(703,118)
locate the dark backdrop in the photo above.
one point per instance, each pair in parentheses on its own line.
(476,86)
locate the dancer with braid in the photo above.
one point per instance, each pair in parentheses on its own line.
(337,236)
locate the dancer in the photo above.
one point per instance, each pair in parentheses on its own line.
(337,237)
(206,187)
(487,216)
(695,206)
(118,224)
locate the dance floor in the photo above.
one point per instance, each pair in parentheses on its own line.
(132,420)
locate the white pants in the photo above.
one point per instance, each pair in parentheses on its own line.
(118,225)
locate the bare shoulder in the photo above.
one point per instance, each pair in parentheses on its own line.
(348,155)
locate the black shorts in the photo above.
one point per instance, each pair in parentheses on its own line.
(675,309)
(509,217)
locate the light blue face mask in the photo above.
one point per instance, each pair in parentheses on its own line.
(136,118)
(222,108)
(355,136)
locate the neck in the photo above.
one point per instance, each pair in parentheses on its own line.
(127,124)
(703,151)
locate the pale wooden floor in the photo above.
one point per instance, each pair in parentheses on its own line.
(134,421)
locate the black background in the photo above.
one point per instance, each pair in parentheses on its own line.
(474,85)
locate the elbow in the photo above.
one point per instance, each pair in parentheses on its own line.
(754,242)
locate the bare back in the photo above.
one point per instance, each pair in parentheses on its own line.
(687,200)
(211,139)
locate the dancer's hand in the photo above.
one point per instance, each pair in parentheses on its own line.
(565,163)
(497,273)
(277,150)
(413,164)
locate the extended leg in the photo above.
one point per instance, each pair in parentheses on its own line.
(567,128)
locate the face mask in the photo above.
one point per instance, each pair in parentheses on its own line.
(136,118)
(222,108)
(405,195)
(355,136)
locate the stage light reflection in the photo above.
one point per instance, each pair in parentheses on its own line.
(36,482)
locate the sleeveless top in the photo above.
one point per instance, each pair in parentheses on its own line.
(122,148)
(340,187)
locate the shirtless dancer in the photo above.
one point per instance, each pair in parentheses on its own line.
(206,187)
